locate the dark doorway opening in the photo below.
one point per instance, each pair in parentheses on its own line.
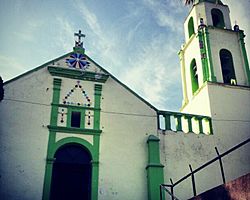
(227,66)
(71,175)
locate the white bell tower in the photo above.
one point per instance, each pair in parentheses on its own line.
(213,59)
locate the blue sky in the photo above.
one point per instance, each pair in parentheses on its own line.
(135,40)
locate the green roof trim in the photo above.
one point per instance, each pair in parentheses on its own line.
(77,74)
(105,71)
(37,68)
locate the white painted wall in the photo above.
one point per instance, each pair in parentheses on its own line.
(126,123)
(24,115)
(180,150)
(191,51)
(229,107)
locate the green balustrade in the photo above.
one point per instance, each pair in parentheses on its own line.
(188,118)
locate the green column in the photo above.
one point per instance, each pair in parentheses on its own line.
(243,50)
(212,77)
(95,175)
(55,100)
(189,119)
(200,124)
(155,175)
(178,122)
(167,122)
(98,92)
(210,126)
(95,162)
(203,54)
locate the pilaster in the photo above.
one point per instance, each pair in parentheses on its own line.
(155,175)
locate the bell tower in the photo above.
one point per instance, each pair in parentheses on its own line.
(213,55)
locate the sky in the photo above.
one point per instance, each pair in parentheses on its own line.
(135,40)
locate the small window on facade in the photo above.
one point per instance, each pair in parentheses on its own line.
(191,27)
(217,17)
(194,76)
(75,119)
(227,67)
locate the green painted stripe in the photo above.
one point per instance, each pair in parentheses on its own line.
(212,77)
(74,130)
(243,49)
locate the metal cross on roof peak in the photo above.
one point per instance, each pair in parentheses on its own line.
(79,35)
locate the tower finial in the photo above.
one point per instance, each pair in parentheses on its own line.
(79,43)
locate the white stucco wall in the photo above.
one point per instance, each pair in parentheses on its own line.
(191,51)
(199,104)
(126,123)
(24,115)
(229,107)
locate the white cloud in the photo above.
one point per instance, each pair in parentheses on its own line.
(165,13)
(150,73)
(65,34)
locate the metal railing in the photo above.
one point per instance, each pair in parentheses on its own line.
(163,187)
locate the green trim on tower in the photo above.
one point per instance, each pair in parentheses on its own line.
(203,54)
(243,49)
(194,76)
(191,27)
(155,175)
(212,77)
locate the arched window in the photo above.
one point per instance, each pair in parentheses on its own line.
(227,67)
(194,76)
(217,17)
(191,27)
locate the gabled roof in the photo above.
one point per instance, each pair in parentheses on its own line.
(94,68)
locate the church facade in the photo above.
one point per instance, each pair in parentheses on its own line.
(71,130)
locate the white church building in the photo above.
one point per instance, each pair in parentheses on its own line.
(70,130)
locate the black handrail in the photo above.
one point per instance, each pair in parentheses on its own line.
(205,165)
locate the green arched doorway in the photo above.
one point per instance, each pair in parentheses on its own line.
(71,174)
